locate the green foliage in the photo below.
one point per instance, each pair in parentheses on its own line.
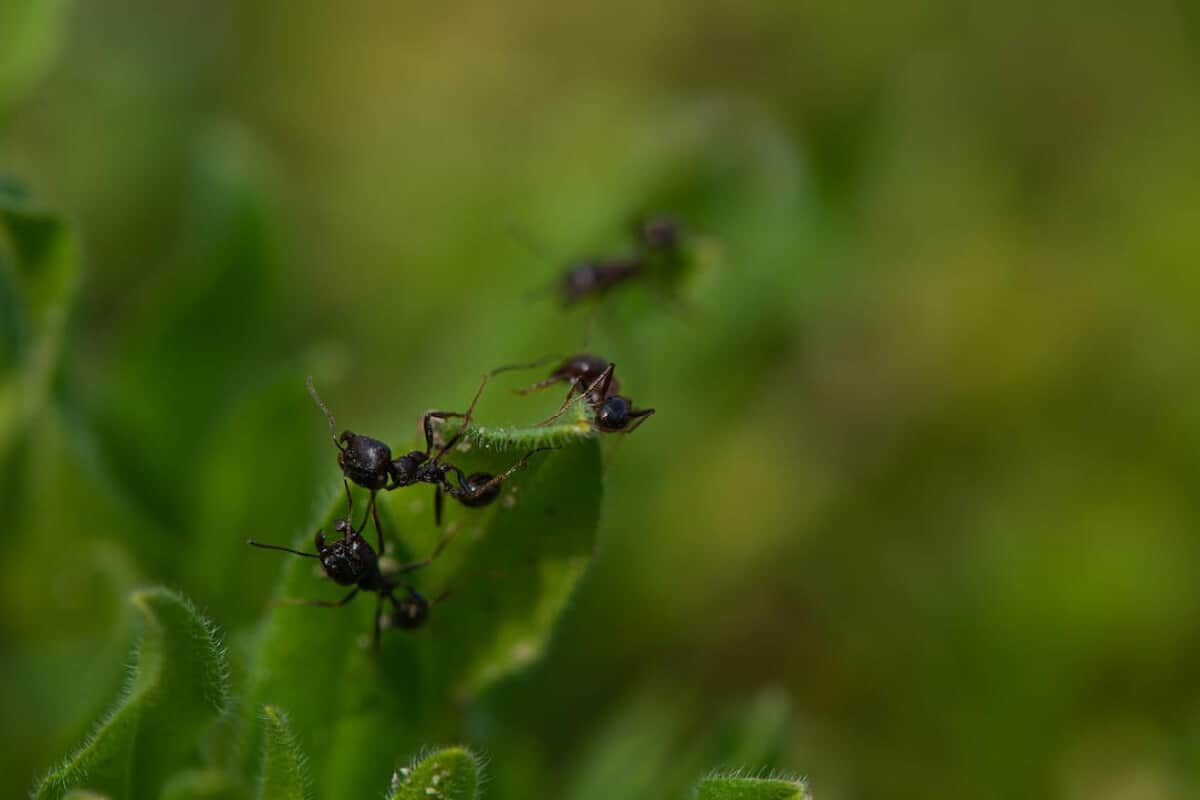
(450,774)
(43,259)
(177,687)
(736,787)
(29,35)
(284,771)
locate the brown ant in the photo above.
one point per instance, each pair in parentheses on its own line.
(368,462)
(594,379)
(350,561)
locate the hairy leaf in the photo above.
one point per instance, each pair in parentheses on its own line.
(497,590)
(178,686)
(450,774)
(284,769)
(735,787)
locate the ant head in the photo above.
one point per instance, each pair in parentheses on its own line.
(348,559)
(410,612)
(364,460)
(613,413)
(404,469)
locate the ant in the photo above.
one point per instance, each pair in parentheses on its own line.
(350,561)
(613,413)
(653,237)
(368,462)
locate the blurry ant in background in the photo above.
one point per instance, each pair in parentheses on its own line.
(656,242)
(350,561)
(368,462)
(594,379)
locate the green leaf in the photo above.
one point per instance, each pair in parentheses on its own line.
(178,686)
(30,31)
(450,774)
(510,571)
(284,770)
(735,787)
(575,425)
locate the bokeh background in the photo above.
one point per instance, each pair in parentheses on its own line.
(923,480)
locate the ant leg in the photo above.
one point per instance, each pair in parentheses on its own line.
(427,425)
(288,601)
(487,486)
(527,365)
(349,501)
(466,418)
(542,384)
(378,527)
(443,540)
(603,381)
(437,506)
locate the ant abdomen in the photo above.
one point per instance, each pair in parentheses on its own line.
(474,498)
(411,612)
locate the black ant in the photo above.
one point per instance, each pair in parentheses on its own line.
(368,462)
(350,561)
(594,379)
(654,237)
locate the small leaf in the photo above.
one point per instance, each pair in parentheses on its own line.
(284,770)
(733,787)
(450,774)
(179,685)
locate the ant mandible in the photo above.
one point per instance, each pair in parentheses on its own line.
(368,462)
(350,561)
(594,379)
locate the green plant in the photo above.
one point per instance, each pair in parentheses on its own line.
(308,683)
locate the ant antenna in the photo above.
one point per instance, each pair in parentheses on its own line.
(312,390)
(253,543)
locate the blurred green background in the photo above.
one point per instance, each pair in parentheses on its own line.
(925,461)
